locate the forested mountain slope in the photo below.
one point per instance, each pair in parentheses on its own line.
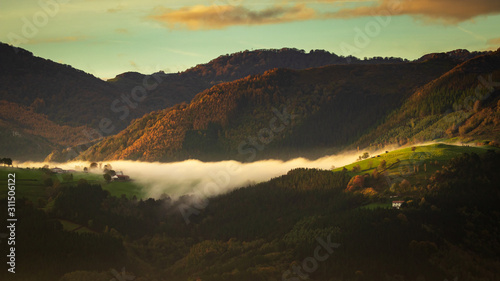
(328,106)
(463,102)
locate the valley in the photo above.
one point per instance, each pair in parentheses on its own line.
(270,164)
(265,228)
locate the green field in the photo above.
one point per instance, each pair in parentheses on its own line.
(398,160)
(30,184)
(415,165)
(129,189)
(377,205)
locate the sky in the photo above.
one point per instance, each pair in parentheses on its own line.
(109,37)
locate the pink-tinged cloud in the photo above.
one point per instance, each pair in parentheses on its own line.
(219,17)
(443,11)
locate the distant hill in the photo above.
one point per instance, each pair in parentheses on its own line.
(71,97)
(181,87)
(27,135)
(459,55)
(66,96)
(47,105)
(462,103)
(333,106)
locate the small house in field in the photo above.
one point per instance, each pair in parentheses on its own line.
(57,170)
(120,178)
(397,204)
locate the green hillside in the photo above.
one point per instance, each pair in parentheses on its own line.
(464,104)
(440,152)
(36,184)
(388,175)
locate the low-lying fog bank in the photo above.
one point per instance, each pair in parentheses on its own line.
(210,178)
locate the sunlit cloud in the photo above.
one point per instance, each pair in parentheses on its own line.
(219,17)
(442,11)
(494,43)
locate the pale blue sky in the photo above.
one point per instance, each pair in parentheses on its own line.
(109,37)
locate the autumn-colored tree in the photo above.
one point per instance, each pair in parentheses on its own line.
(356,182)
(404,185)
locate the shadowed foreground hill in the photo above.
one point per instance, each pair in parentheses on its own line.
(307,223)
(328,106)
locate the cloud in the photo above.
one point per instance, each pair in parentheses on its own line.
(495,42)
(219,17)
(122,30)
(117,9)
(441,11)
(133,64)
(473,34)
(201,17)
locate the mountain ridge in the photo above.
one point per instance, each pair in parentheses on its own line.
(464,99)
(218,119)
(71,97)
